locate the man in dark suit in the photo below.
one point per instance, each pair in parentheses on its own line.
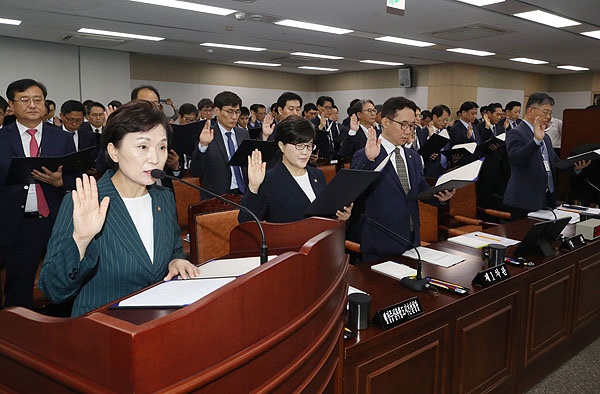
(28,211)
(218,142)
(96,118)
(464,131)
(512,111)
(72,113)
(436,163)
(388,200)
(532,183)
(362,118)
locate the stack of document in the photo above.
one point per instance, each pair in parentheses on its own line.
(230,267)
(546,214)
(433,256)
(394,270)
(479,239)
(454,179)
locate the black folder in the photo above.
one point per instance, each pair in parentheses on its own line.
(19,171)
(453,184)
(459,177)
(570,161)
(343,189)
(254,132)
(461,150)
(485,146)
(240,157)
(434,144)
(186,137)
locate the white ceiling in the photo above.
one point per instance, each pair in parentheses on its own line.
(53,20)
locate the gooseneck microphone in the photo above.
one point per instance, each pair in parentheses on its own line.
(587,180)
(417,283)
(264,251)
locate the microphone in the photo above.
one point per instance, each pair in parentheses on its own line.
(418,283)
(587,180)
(264,252)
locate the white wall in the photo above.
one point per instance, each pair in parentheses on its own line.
(569,100)
(487,96)
(343,97)
(67,71)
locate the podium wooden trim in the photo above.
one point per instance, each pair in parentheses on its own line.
(276,329)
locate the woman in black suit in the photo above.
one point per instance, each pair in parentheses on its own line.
(284,193)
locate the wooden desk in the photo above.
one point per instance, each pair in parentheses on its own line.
(501,339)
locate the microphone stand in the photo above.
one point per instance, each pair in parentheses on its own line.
(587,180)
(264,251)
(417,283)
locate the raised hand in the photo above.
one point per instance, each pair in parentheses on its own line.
(323,123)
(88,214)
(431,129)
(539,129)
(373,146)
(470,131)
(354,122)
(207,134)
(256,171)
(488,124)
(268,126)
(506,124)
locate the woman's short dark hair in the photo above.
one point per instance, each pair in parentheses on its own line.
(133,117)
(295,129)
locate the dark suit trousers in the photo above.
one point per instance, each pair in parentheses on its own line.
(21,261)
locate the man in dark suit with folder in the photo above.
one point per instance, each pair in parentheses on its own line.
(388,200)
(28,211)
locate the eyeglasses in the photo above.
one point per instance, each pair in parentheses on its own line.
(232,113)
(546,113)
(37,100)
(73,120)
(99,115)
(327,107)
(206,110)
(370,110)
(306,145)
(405,125)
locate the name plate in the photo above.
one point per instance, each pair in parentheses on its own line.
(397,314)
(491,276)
(573,243)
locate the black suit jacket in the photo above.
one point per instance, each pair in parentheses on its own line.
(352,144)
(280,199)
(211,166)
(337,133)
(55,142)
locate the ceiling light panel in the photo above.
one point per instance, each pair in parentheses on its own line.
(405,41)
(472,52)
(312,26)
(527,60)
(316,55)
(481,3)
(257,63)
(118,34)
(184,5)
(381,62)
(593,34)
(573,68)
(318,68)
(13,22)
(227,46)
(547,18)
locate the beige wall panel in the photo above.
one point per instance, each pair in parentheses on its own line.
(465,75)
(382,79)
(440,74)
(571,82)
(536,83)
(342,81)
(499,78)
(441,94)
(460,94)
(596,82)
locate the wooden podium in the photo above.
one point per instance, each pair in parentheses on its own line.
(276,329)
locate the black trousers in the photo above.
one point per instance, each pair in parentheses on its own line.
(21,260)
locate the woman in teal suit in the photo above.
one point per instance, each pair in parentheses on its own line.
(120,235)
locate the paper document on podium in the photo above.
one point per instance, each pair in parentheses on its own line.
(433,256)
(175,293)
(394,270)
(479,239)
(230,267)
(546,214)
(454,179)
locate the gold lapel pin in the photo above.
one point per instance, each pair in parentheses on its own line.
(158,208)
(315,180)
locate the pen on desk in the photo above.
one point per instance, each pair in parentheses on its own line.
(520,263)
(490,238)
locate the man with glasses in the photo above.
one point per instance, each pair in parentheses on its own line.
(96,118)
(388,200)
(532,183)
(436,163)
(218,141)
(205,109)
(329,135)
(362,118)
(28,211)
(71,115)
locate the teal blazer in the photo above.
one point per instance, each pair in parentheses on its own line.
(116,262)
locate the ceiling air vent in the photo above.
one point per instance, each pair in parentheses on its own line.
(93,41)
(468,32)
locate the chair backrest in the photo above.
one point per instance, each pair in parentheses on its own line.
(428,215)
(184,196)
(329,170)
(464,202)
(211,221)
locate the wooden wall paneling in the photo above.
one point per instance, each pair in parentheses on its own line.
(587,291)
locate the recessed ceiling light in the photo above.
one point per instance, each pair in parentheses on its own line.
(304,54)
(117,34)
(240,47)
(313,26)
(547,18)
(318,68)
(382,62)
(593,34)
(573,68)
(482,3)
(184,5)
(405,41)
(527,60)
(257,63)
(470,52)
(14,22)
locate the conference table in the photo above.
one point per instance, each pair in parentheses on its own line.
(499,339)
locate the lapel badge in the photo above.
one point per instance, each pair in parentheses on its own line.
(315,179)
(158,208)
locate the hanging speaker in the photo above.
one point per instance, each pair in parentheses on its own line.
(405,77)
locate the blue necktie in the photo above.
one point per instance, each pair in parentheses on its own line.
(546,158)
(237,171)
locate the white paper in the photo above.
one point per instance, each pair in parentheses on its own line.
(444,133)
(352,290)
(501,137)
(433,256)
(480,239)
(176,292)
(470,146)
(468,172)
(597,151)
(230,267)
(379,168)
(546,214)
(394,270)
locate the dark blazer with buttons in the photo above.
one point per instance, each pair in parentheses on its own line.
(116,262)
(387,203)
(280,199)
(211,166)
(351,144)
(55,142)
(526,187)
(432,168)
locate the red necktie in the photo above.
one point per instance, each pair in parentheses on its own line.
(41,200)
